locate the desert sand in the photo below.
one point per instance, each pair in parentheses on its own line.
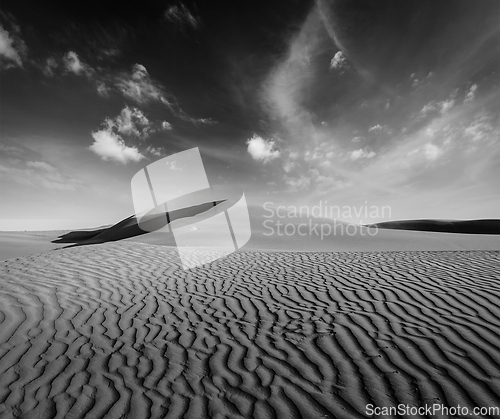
(119,330)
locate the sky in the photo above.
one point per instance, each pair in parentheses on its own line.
(344,103)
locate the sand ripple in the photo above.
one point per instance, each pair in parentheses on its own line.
(119,330)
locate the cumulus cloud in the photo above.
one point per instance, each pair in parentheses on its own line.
(166,126)
(110,146)
(109,143)
(180,15)
(131,121)
(432,152)
(339,62)
(139,87)
(12,48)
(73,64)
(362,154)
(262,149)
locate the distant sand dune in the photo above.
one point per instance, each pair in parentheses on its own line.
(491,226)
(119,330)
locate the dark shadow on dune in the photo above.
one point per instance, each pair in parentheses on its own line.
(130,227)
(490,226)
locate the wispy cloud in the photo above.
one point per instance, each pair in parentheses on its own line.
(38,174)
(139,87)
(142,89)
(73,64)
(49,66)
(181,16)
(102,89)
(443,106)
(12,48)
(471,94)
(482,127)
(262,149)
(8,149)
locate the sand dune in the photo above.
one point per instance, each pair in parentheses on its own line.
(24,243)
(119,330)
(491,226)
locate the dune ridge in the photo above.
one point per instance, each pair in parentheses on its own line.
(120,330)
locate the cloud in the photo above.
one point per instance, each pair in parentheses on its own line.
(181,16)
(49,67)
(296,184)
(262,149)
(109,143)
(432,152)
(12,48)
(443,107)
(131,121)
(362,154)
(72,63)
(471,94)
(376,128)
(429,107)
(39,173)
(480,128)
(7,149)
(446,105)
(166,126)
(339,61)
(41,165)
(156,151)
(110,146)
(139,87)
(102,89)
(288,166)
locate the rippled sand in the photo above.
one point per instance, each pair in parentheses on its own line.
(119,330)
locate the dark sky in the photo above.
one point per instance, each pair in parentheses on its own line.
(355,102)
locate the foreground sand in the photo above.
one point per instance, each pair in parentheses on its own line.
(119,330)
